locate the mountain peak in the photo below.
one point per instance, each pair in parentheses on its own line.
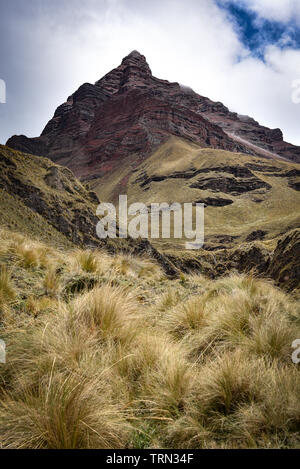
(135,54)
(136,59)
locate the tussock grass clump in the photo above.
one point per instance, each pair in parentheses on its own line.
(149,268)
(87,261)
(44,304)
(239,402)
(271,336)
(31,254)
(65,412)
(110,311)
(52,282)
(228,382)
(168,385)
(28,255)
(139,267)
(7,290)
(187,317)
(158,374)
(169,299)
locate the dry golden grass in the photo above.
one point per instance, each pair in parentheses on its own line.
(52,282)
(7,290)
(136,267)
(87,261)
(134,360)
(27,255)
(64,412)
(237,311)
(168,299)
(108,311)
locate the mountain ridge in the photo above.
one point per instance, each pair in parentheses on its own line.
(129,111)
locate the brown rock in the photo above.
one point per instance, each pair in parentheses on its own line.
(285,264)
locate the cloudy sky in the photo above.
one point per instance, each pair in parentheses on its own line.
(245,53)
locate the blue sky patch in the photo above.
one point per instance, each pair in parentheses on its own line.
(257,33)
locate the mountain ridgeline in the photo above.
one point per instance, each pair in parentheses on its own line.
(130,111)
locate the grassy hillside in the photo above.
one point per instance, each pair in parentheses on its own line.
(243,194)
(45,201)
(16,216)
(106,352)
(39,197)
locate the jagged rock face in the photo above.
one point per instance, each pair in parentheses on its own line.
(261,140)
(285,265)
(129,111)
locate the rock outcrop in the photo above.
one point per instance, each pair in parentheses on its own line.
(129,111)
(285,265)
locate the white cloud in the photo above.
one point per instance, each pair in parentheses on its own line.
(267,92)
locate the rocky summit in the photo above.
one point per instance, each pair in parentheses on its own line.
(131,112)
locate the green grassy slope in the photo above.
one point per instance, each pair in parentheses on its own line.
(43,199)
(272,206)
